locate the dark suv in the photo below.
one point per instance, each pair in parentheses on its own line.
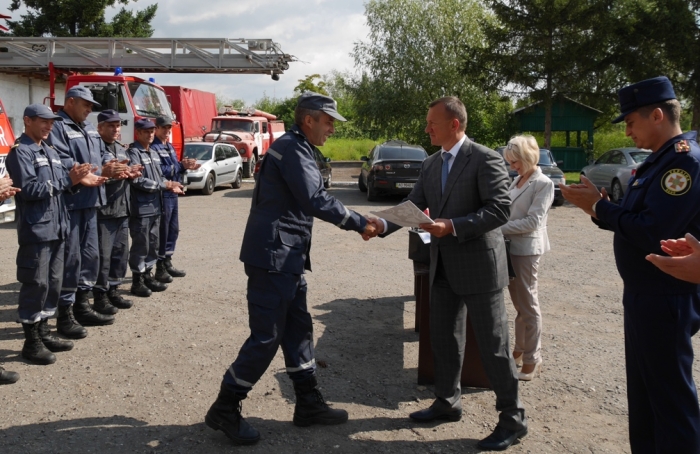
(391,168)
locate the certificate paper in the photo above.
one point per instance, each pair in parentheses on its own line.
(405,214)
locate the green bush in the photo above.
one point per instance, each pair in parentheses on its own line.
(339,149)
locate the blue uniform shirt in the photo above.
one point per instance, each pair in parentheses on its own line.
(39,173)
(172,168)
(288,194)
(662,202)
(79,143)
(146,190)
(117,194)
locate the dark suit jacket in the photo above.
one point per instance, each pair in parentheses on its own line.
(476,200)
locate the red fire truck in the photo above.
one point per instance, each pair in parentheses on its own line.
(7,139)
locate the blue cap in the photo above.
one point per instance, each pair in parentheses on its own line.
(41,111)
(83,93)
(144,123)
(108,115)
(644,93)
(314,101)
(164,121)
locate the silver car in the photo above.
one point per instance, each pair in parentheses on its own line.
(614,169)
(220,164)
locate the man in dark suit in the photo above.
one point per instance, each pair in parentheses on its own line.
(465,186)
(288,194)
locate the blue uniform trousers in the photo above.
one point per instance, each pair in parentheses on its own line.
(144,242)
(40,270)
(169,228)
(277,315)
(82,256)
(113,234)
(663,404)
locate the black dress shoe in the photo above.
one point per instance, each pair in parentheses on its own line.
(500,439)
(436,412)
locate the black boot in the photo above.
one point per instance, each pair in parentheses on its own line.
(53,343)
(312,409)
(138,287)
(225,415)
(174,272)
(102,304)
(161,274)
(67,325)
(117,300)
(84,313)
(153,284)
(7,377)
(33,349)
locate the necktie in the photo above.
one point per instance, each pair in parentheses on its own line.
(445,168)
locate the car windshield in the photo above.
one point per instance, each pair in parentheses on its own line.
(149,100)
(197,151)
(232,125)
(639,156)
(545,159)
(402,153)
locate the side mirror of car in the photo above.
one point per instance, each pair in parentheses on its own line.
(327,159)
(364,158)
(560,163)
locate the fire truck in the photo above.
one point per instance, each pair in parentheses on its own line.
(7,139)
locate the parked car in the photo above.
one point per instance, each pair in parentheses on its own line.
(323,163)
(220,164)
(549,167)
(614,169)
(391,167)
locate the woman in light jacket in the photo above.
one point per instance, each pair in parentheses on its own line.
(531,196)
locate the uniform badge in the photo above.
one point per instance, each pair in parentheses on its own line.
(682,146)
(676,182)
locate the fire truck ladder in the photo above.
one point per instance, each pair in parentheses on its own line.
(153,55)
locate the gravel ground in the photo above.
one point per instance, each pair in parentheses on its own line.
(145,383)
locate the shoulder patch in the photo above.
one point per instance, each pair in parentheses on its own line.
(676,182)
(682,146)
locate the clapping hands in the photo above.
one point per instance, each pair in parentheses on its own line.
(6,189)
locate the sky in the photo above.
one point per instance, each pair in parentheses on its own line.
(319,33)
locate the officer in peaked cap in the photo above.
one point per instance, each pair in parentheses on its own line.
(113,219)
(42,228)
(146,209)
(661,313)
(288,194)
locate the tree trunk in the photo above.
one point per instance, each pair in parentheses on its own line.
(548,113)
(695,122)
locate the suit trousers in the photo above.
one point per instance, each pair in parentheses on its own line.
(277,316)
(113,234)
(528,321)
(144,242)
(169,227)
(448,325)
(662,400)
(40,270)
(82,256)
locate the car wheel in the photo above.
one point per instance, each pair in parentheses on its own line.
(249,167)
(238,181)
(558,202)
(209,184)
(371,193)
(616,192)
(361,183)
(327,184)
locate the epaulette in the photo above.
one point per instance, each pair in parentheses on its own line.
(682,146)
(15,145)
(120,144)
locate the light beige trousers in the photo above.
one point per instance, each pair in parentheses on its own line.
(528,322)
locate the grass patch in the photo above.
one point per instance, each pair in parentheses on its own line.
(347,149)
(572,177)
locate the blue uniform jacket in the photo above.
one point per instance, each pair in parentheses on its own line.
(41,209)
(662,202)
(117,194)
(146,190)
(288,195)
(76,143)
(172,168)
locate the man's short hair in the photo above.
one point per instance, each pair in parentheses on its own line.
(670,108)
(300,113)
(454,108)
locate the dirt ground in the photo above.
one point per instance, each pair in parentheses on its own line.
(145,383)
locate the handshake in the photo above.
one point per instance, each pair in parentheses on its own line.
(373,228)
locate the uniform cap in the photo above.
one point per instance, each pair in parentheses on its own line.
(83,93)
(164,121)
(108,115)
(644,93)
(314,101)
(144,123)
(41,111)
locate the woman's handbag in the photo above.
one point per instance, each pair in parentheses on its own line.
(511,270)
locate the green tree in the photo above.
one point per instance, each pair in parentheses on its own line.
(80,18)
(223,101)
(309,84)
(413,55)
